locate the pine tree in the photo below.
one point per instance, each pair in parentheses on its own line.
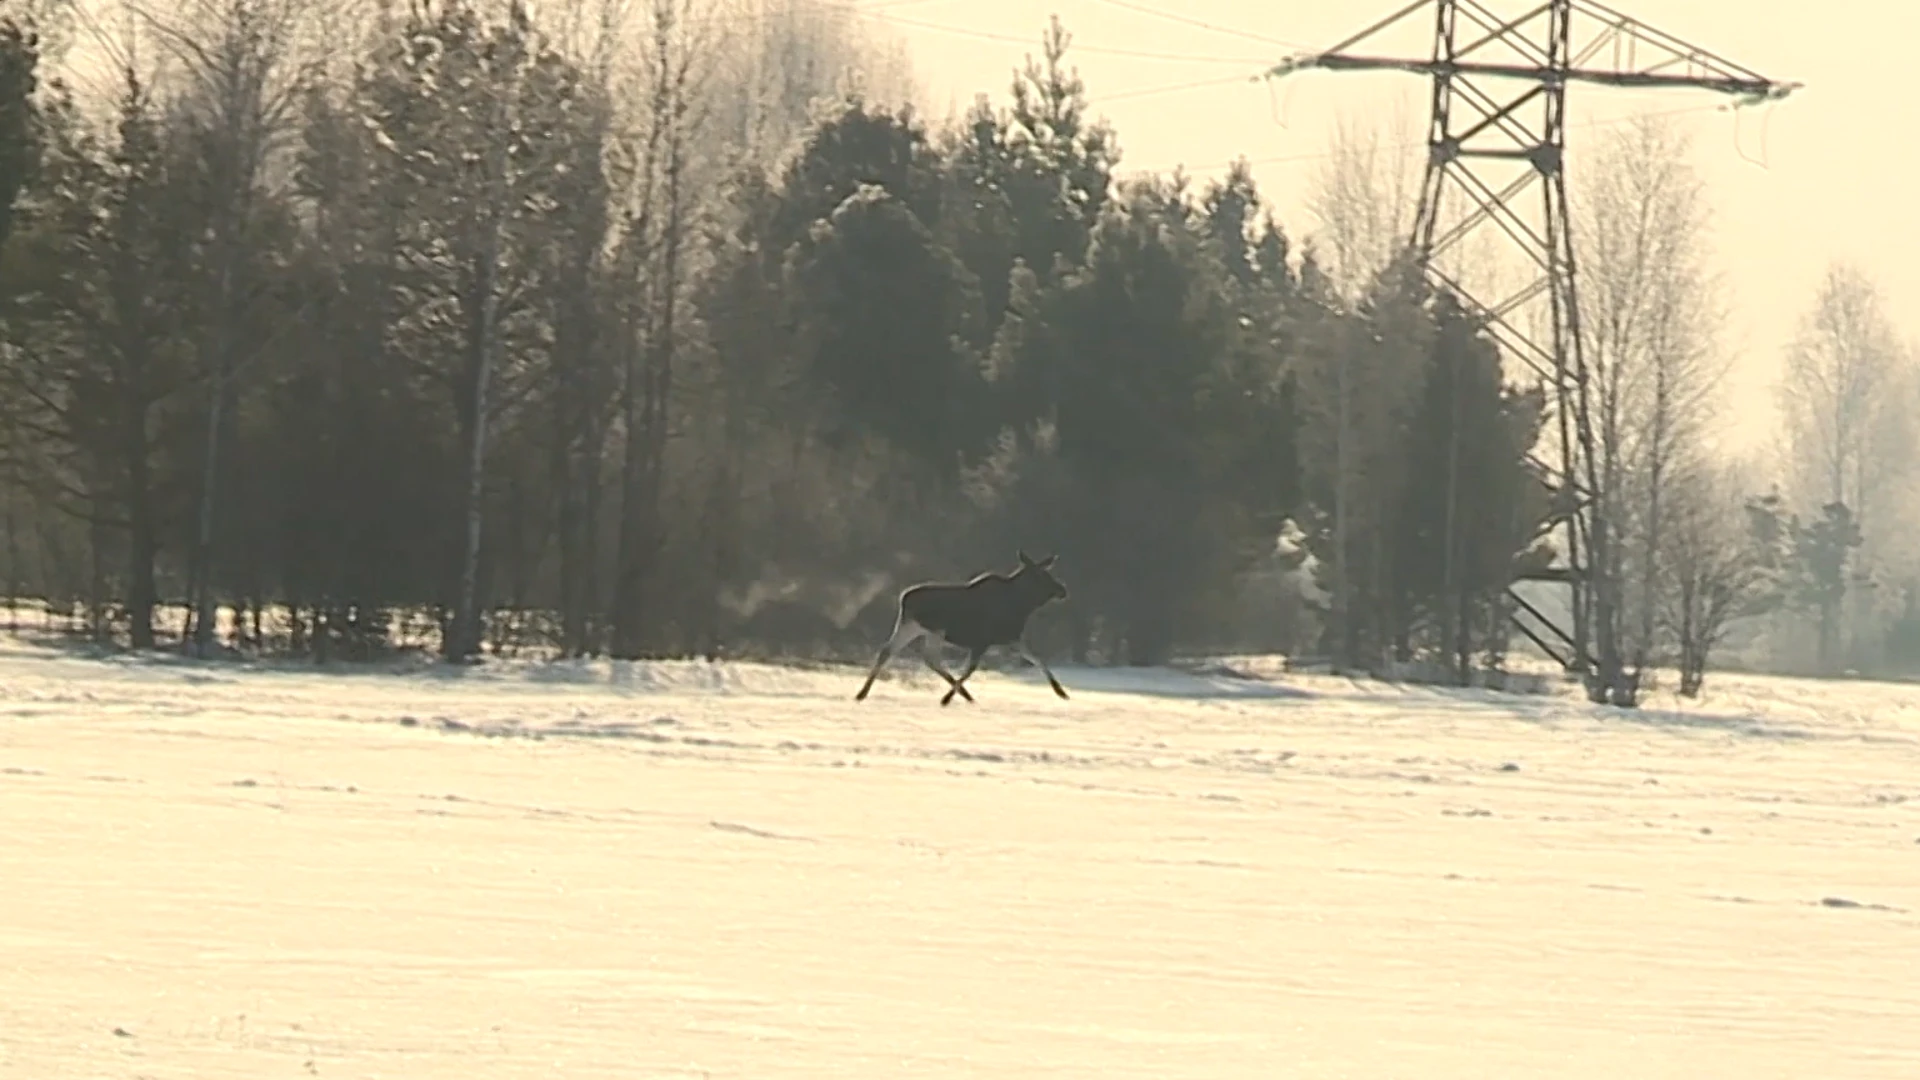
(1471,505)
(107,306)
(1824,549)
(473,116)
(1144,379)
(19,135)
(885,306)
(857,146)
(367,470)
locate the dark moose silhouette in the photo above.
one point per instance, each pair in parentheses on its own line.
(990,610)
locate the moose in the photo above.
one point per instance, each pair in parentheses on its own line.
(990,610)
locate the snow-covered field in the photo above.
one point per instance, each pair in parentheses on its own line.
(680,870)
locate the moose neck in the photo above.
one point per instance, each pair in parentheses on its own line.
(1031,595)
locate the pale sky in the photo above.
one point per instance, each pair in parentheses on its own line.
(1822,175)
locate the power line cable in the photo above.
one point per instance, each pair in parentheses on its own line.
(1139,54)
(1170,88)
(1202,24)
(1282,159)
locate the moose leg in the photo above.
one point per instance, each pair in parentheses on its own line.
(1027,651)
(880,661)
(926,653)
(973,662)
(904,634)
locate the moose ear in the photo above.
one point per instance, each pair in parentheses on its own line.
(1047,563)
(1024,561)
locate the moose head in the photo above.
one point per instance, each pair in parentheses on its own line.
(1037,576)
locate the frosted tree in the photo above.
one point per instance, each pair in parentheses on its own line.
(1844,373)
(1848,435)
(1651,313)
(1715,569)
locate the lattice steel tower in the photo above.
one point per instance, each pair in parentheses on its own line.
(1483,127)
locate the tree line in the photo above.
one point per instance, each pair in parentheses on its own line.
(1793,546)
(652,329)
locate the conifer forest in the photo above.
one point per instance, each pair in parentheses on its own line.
(641,328)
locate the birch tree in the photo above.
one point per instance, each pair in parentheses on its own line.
(473,116)
(241,82)
(1358,383)
(1849,439)
(1363,198)
(780,58)
(582,299)
(1840,395)
(1651,312)
(658,230)
(1714,570)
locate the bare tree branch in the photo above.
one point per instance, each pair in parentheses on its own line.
(1652,314)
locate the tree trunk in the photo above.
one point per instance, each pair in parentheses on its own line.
(723,542)
(647,439)
(1381,614)
(524,550)
(97,621)
(1343,637)
(1609,683)
(1463,636)
(1662,421)
(577,468)
(592,506)
(1602,561)
(142,541)
(573,621)
(201,603)
(14,578)
(482,309)
(1456,613)
(665,343)
(576,451)
(1826,640)
(463,640)
(1692,656)
(631,565)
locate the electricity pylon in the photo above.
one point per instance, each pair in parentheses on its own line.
(1500,101)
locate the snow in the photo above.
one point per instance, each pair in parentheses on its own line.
(686,870)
